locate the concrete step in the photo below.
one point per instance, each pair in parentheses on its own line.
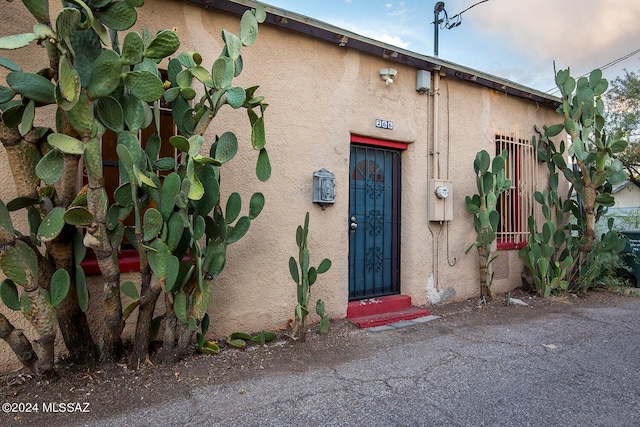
(391,317)
(368,307)
(372,312)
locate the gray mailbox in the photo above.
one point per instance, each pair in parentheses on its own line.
(324,187)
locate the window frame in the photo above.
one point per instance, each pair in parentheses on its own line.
(517,203)
(128,257)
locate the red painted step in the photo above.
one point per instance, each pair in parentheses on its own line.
(386,318)
(382,311)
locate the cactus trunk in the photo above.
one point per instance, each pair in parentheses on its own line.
(149,295)
(18,155)
(66,188)
(588,207)
(74,325)
(491,181)
(43,318)
(22,156)
(97,239)
(485,273)
(149,292)
(168,352)
(112,305)
(18,343)
(298,329)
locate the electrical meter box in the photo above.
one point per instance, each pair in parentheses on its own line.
(440,200)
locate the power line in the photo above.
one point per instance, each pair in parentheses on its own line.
(456,19)
(459,15)
(604,67)
(447,22)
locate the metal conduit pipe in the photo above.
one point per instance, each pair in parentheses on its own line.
(436,130)
(435,172)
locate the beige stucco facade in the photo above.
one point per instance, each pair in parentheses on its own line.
(627,195)
(319,95)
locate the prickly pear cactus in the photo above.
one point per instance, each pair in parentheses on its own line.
(579,257)
(491,181)
(181,226)
(305,276)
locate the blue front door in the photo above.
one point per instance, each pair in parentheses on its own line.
(374,222)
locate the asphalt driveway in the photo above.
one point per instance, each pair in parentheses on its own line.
(571,365)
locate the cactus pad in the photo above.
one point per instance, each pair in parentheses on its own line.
(31,86)
(9,294)
(78,215)
(52,224)
(60,283)
(105,75)
(165,43)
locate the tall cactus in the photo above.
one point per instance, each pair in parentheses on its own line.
(592,173)
(595,168)
(483,206)
(95,89)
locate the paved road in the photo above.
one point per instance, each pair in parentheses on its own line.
(574,367)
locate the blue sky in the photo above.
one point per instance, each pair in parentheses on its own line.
(513,39)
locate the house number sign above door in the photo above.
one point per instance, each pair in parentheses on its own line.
(384,124)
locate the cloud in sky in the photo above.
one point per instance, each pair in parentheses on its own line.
(582,34)
(385,37)
(396,11)
(514,39)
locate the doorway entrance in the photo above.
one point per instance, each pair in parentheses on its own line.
(374,219)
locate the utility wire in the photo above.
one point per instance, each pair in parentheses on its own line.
(604,67)
(457,18)
(470,7)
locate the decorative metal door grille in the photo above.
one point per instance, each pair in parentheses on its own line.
(374,243)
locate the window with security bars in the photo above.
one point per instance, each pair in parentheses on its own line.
(128,257)
(516,204)
(165,130)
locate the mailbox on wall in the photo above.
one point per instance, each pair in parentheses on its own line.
(440,200)
(324,187)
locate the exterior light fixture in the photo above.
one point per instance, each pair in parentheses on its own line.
(387,74)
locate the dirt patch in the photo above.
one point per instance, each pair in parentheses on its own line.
(111,389)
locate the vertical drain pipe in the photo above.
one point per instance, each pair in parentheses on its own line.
(435,173)
(439,7)
(436,130)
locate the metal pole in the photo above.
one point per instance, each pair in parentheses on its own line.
(439,7)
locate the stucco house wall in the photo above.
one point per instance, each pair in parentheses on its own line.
(627,195)
(320,94)
(626,211)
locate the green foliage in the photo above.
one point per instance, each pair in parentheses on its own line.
(324,317)
(548,267)
(60,283)
(577,256)
(491,181)
(623,113)
(305,276)
(9,294)
(99,86)
(82,290)
(204,346)
(241,339)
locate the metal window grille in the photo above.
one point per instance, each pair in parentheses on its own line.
(516,204)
